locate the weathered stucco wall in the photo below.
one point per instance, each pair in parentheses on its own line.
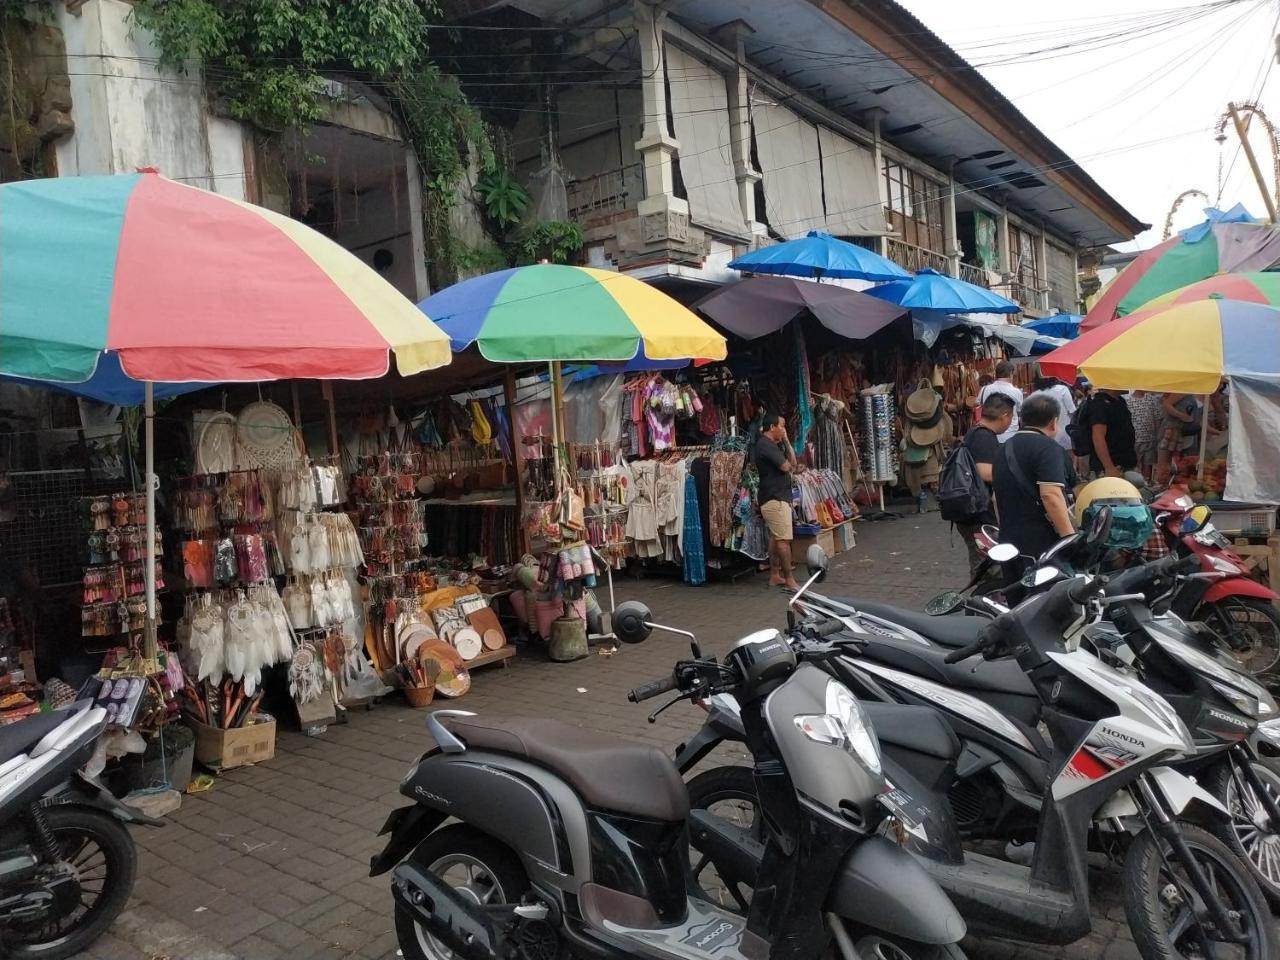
(129,113)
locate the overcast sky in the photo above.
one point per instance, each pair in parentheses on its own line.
(1131,89)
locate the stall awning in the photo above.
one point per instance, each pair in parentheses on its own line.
(700,113)
(851,185)
(791,163)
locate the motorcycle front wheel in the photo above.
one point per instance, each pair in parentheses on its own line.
(1250,627)
(1249,833)
(1163,908)
(101,852)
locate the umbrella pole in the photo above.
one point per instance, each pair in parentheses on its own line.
(1204,437)
(149,572)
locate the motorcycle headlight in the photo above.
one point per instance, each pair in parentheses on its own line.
(1270,731)
(1224,566)
(844,725)
(1239,699)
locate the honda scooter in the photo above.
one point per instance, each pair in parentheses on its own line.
(1111,737)
(67,862)
(1238,608)
(574,841)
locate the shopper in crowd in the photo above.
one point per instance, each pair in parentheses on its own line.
(1145,410)
(1066,404)
(983,446)
(776,461)
(1029,481)
(1110,429)
(1179,431)
(1004,384)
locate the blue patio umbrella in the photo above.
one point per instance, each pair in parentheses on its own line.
(821,255)
(930,290)
(110,384)
(1063,326)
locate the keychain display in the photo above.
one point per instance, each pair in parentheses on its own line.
(113,581)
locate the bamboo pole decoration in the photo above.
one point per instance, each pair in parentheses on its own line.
(327,387)
(1204,437)
(1243,133)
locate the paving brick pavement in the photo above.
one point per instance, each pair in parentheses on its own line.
(273,861)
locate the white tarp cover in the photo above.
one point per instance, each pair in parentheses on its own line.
(852,187)
(1253,459)
(791,163)
(700,112)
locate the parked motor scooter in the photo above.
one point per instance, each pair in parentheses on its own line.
(573,841)
(1110,736)
(67,862)
(1235,605)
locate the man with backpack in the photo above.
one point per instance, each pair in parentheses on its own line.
(1030,481)
(964,488)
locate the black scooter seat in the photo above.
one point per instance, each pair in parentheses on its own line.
(920,729)
(610,773)
(950,631)
(974,675)
(18,738)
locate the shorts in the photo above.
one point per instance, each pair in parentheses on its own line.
(777,519)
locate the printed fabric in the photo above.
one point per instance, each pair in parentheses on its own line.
(695,563)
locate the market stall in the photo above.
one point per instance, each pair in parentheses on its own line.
(244,280)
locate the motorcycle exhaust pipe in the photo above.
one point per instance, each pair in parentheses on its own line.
(461,926)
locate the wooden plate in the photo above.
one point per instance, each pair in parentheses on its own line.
(453,679)
(485,622)
(468,643)
(493,640)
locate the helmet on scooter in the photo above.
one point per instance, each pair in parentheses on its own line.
(1131,522)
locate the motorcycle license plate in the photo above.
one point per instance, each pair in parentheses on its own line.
(905,807)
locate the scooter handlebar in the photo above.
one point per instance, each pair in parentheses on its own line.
(653,688)
(964,653)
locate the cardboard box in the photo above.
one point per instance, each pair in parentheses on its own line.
(227,749)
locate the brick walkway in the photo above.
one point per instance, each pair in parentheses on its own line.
(272,862)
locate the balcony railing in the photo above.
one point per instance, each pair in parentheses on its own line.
(610,192)
(970,273)
(1063,298)
(916,258)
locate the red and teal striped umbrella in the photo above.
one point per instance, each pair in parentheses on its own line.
(549,312)
(181,285)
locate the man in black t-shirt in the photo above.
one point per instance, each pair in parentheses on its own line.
(983,444)
(1029,481)
(776,462)
(1111,429)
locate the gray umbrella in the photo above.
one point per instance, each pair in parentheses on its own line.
(757,306)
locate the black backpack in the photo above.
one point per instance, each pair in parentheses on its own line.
(962,494)
(1080,430)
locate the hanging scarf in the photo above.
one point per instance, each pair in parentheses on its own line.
(805,401)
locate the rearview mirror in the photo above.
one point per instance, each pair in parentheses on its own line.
(1099,528)
(631,622)
(1003,552)
(1195,521)
(816,560)
(944,603)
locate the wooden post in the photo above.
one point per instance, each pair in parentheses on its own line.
(557,413)
(1243,133)
(297,404)
(334,448)
(1204,438)
(509,395)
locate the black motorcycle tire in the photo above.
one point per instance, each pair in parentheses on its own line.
(459,839)
(113,839)
(1218,616)
(1145,887)
(1218,781)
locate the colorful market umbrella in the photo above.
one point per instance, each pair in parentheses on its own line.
(184,285)
(819,254)
(758,306)
(1223,248)
(179,285)
(551,312)
(930,290)
(1183,348)
(1256,287)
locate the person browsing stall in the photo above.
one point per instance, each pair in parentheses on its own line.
(982,443)
(1029,481)
(1111,431)
(1004,385)
(776,461)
